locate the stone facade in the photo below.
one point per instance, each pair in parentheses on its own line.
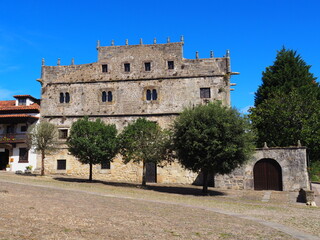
(127,82)
(293,163)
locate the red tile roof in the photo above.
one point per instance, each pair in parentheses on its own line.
(25,96)
(17,116)
(10,106)
(7,103)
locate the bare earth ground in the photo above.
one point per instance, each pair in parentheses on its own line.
(67,208)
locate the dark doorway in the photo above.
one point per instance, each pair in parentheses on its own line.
(267,175)
(151,172)
(4,159)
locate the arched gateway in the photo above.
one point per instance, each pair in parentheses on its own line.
(267,174)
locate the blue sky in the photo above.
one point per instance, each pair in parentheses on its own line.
(253,30)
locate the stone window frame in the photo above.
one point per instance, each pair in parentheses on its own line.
(202,91)
(63,133)
(144,66)
(106,90)
(64,95)
(125,64)
(151,88)
(106,165)
(62,166)
(168,64)
(105,68)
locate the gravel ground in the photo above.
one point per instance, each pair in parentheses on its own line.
(30,212)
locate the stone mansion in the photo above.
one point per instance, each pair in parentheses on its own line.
(156,82)
(128,82)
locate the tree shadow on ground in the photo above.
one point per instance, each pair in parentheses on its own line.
(183,190)
(176,189)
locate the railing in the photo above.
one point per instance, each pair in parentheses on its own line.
(12,137)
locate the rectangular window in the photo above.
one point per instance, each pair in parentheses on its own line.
(205,93)
(22,101)
(105,165)
(23,128)
(147,66)
(170,64)
(127,67)
(23,155)
(63,133)
(61,164)
(105,68)
(10,129)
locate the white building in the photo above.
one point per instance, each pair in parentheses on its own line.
(15,118)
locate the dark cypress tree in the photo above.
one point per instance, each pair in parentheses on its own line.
(288,72)
(287,105)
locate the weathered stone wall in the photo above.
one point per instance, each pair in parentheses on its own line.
(293,162)
(177,88)
(119,172)
(129,98)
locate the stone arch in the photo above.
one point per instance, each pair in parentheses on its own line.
(267,175)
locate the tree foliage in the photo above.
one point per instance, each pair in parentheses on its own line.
(42,137)
(212,139)
(288,72)
(92,142)
(287,105)
(144,141)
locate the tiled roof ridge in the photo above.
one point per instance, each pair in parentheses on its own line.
(17,115)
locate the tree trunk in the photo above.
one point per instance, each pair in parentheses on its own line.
(90,172)
(144,174)
(205,181)
(42,162)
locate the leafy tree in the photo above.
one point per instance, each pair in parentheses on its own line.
(43,138)
(212,139)
(287,105)
(92,142)
(144,141)
(288,72)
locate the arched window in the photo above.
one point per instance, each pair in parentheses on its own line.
(104,96)
(109,96)
(148,95)
(61,98)
(154,94)
(67,97)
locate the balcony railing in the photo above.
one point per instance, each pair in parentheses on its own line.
(13,137)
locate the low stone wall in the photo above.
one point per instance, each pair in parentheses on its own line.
(119,172)
(293,162)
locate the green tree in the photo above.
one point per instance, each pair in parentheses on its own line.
(212,139)
(43,138)
(287,105)
(92,142)
(144,141)
(288,72)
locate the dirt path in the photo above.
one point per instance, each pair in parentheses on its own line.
(54,212)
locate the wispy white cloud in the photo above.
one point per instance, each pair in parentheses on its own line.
(6,94)
(4,69)
(245,110)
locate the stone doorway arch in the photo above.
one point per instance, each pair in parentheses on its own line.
(267,175)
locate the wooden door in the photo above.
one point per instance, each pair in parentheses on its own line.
(4,159)
(151,172)
(267,175)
